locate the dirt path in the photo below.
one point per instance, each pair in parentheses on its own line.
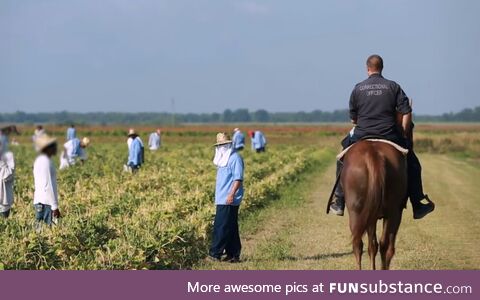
(295,232)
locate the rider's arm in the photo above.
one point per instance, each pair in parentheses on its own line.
(404,109)
(407,124)
(353,108)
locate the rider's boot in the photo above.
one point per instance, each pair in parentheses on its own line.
(421,204)
(338,204)
(421,209)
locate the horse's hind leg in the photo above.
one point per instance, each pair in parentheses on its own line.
(357,232)
(387,242)
(384,245)
(372,244)
(358,250)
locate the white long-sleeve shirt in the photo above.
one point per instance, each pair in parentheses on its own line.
(45,178)
(70,155)
(154,141)
(7,171)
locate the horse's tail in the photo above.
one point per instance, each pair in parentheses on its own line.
(375,163)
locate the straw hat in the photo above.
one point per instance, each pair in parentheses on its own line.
(86,141)
(222,139)
(44,141)
(131,132)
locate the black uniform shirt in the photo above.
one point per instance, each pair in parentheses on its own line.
(374,104)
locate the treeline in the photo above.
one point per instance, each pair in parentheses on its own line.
(228,116)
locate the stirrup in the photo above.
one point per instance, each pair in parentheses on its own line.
(428,200)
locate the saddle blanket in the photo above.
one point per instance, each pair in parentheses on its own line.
(396,146)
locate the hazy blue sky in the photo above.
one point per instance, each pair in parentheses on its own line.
(135,55)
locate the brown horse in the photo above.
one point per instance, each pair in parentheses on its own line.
(374,179)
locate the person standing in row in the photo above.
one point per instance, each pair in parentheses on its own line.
(7,173)
(74,150)
(135,152)
(39,131)
(45,199)
(259,142)
(228,196)
(155,140)
(71,133)
(238,139)
(4,139)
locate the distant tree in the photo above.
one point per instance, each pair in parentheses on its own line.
(227,116)
(241,115)
(261,116)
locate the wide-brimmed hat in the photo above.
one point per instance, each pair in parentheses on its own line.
(86,141)
(131,132)
(222,139)
(44,141)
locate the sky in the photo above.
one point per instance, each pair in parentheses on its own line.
(210,55)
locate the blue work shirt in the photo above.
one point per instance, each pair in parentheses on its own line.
(135,153)
(71,133)
(238,140)
(258,140)
(233,171)
(75,151)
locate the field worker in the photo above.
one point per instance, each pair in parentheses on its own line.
(228,196)
(155,141)
(135,152)
(4,139)
(131,133)
(45,198)
(74,150)
(71,132)
(39,131)
(4,133)
(15,142)
(238,140)
(258,141)
(7,168)
(375,106)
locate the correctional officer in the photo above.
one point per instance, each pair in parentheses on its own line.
(375,106)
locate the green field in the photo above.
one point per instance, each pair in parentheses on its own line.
(161,218)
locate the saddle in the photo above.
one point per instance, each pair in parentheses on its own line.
(375,139)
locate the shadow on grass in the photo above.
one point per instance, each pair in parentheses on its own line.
(304,258)
(326,256)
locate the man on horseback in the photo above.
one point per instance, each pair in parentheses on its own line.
(377,106)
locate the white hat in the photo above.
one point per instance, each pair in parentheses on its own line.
(236,129)
(86,141)
(44,141)
(131,132)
